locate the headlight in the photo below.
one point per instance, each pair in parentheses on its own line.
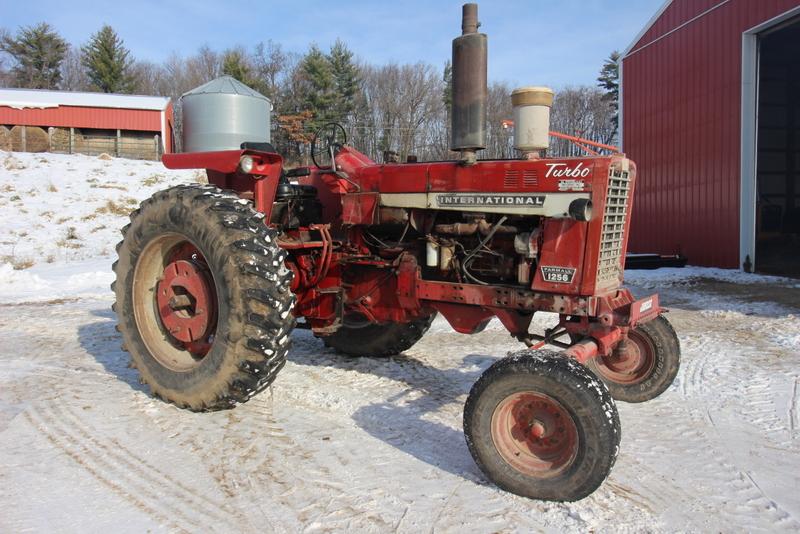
(246,164)
(580,209)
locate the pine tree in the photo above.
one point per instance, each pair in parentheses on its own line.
(609,82)
(108,63)
(347,81)
(37,52)
(235,63)
(318,87)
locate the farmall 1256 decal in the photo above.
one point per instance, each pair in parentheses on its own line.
(558,275)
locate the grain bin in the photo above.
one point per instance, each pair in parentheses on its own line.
(223,114)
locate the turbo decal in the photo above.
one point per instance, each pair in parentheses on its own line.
(560,170)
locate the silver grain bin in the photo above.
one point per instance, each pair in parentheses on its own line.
(223,114)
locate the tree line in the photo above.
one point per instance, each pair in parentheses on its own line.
(402,108)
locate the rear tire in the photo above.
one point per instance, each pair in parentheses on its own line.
(657,359)
(247,296)
(378,340)
(541,425)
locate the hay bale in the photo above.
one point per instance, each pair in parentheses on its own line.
(94,145)
(36,139)
(59,141)
(5,139)
(137,146)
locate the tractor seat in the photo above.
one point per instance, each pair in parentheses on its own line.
(259,146)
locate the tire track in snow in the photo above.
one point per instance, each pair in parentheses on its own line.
(406,403)
(692,451)
(83,458)
(314,487)
(699,442)
(203,506)
(758,372)
(152,488)
(202,434)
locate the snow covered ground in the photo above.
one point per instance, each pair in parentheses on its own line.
(340,444)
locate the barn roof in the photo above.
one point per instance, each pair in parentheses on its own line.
(40,98)
(696,11)
(647,27)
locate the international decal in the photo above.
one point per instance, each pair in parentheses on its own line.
(507,200)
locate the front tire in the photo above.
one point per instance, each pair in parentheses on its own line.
(541,425)
(202,297)
(646,367)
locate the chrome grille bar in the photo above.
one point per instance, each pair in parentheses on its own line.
(612,237)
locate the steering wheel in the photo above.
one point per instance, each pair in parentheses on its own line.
(325,143)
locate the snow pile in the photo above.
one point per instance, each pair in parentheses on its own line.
(669,276)
(58,207)
(47,283)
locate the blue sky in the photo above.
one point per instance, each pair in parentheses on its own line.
(531,42)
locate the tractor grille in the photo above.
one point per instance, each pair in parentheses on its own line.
(612,238)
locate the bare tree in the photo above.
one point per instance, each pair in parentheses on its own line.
(498,138)
(582,112)
(73,73)
(150,79)
(270,64)
(405,109)
(204,66)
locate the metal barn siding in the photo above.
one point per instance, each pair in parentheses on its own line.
(84,117)
(681,101)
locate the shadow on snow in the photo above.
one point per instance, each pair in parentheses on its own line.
(408,420)
(101,340)
(405,420)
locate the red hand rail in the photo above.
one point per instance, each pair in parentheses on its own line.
(581,142)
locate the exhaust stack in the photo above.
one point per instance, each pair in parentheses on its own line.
(470,91)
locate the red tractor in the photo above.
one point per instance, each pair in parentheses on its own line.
(211,278)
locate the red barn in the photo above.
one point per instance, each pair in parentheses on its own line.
(709,112)
(103,121)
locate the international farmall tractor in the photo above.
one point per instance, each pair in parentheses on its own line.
(211,278)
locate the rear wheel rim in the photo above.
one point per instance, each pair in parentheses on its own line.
(631,363)
(534,434)
(175,302)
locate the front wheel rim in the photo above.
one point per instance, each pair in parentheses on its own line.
(534,434)
(175,302)
(631,362)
